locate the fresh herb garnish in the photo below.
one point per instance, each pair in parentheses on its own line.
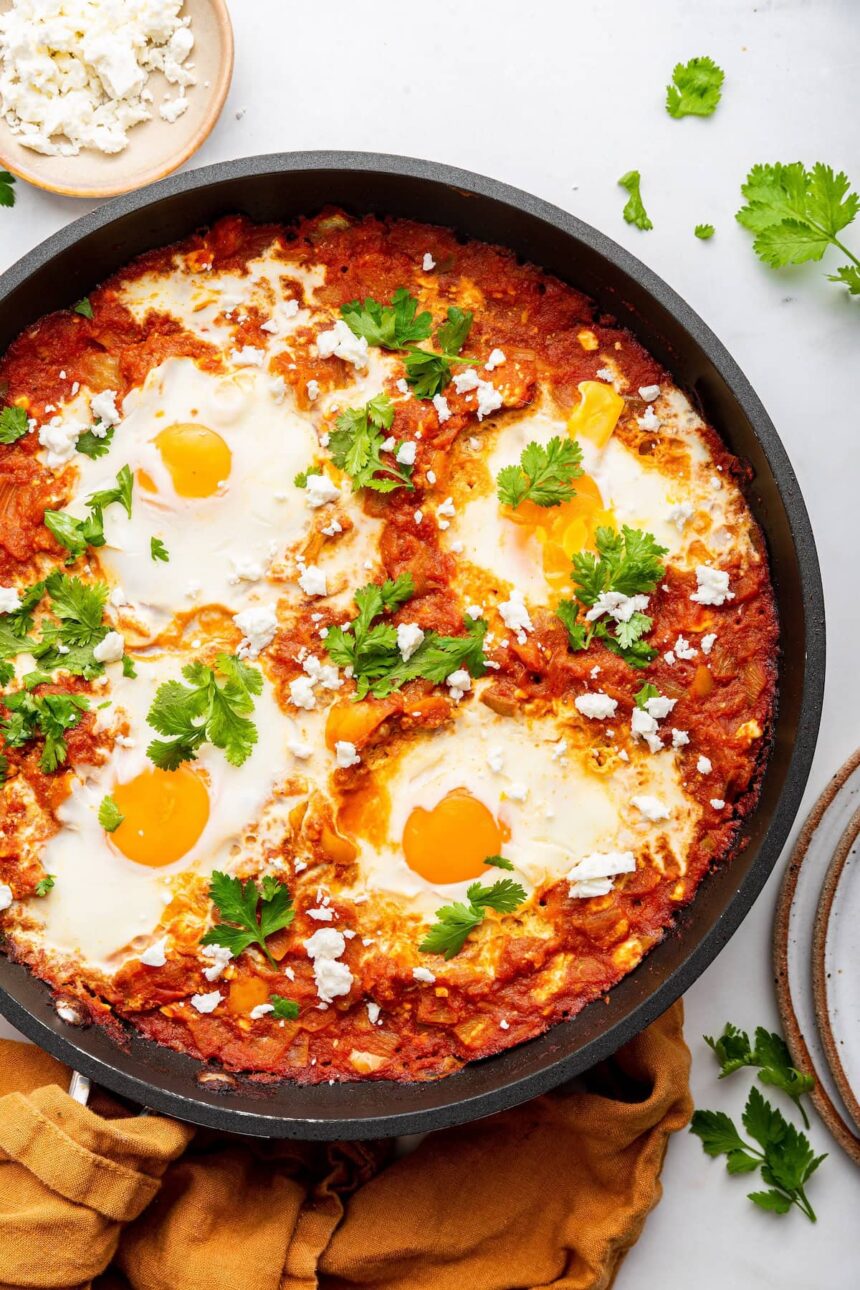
(696,88)
(301,479)
(544,476)
(157,550)
(14,423)
(7,192)
(370,648)
(634,210)
(783,1154)
(46,884)
(454,922)
(284,1009)
(648,691)
(627,564)
(796,213)
(398,326)
(76,535)
(251,914)
(499,862)
(95,445)
(83,307)
(704,231)
(48,715)
(356,444)
(110,816)
(770,1054)
(206,709)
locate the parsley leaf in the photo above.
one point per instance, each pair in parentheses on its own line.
(634,210)
(696,88)
(251,914)
(83,307)
(544,476)
(454,922)
(704,231)
(499,862)
(628,563)
(206,709)
(69,643)
(121,492)
(46,884)
(48,715)
(110,816)
(427,371)
(75,534)
(7,192)
(391,326)
(796,214)
(770,1054)
(157,550)
(356,443)
(14,423)
(284,1009)
(96,442)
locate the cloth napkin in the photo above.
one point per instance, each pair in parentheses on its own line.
(552,1193)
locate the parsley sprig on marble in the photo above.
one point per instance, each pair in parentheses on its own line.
(627,564)
(215,707)
(370,648)
(356,446)
(796,215)
(7,192)
(544,475)
(76,534)
(250,913)
(634,210)
(769,1054)
(398,326)
(456,921)
(696,88)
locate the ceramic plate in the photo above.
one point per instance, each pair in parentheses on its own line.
(835,954)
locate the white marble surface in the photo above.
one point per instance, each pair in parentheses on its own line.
(561,98)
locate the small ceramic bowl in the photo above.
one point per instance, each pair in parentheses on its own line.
(155,147)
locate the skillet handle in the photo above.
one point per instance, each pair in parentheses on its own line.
(79,1089)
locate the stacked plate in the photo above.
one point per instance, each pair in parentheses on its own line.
(816,945)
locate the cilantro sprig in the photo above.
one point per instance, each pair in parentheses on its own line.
(634,210)
(356,447)
(46,884)
(250,914)
(398,326)
(455,922)
(284,1009)
(370,649)
(77,534)
(797,213)
(628,563)
(781,1153)
(96,441)
(696,88)
(733,1050)
(704,231)
(544,476)
(110,816)
(83,307)
(7,192)
(47,715)
(215,706)
(14,423)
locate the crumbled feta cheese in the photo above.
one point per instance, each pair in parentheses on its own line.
(261,1010)
(109,650)
(446,510)
(373,1011)
(206,1002)
(402,385)
(517,792)
(277,388)
(717,803)
(59,438)
(496,359)
(713,586)
(312,581)
(247,356)
(597,706)
(704,765)
(708,642)
(669,657)
(473,611)
(409,637)
(6,897)
(313,390)
(504,1025)
(431,477)
(322,914)
(258,625)
(496,760)
(103,408)
(423,974)
(443,412)
(659,707)
(332,978)
(219,956)
(649,392)
(605,374)
(300,750)
(10,601)
(515,615)
(406,453)
(342,343)
(302,693)
(418,516)
(333,527)
(649,420)
(459,683)
(155,955)
(679,738)
(683,648)
(389,444)
(681,515)
(320,490)
(617,606)
(345,754)
(489,398)
(593,874)
(651,807)
(428,263)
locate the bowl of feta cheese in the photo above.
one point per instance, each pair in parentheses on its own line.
(99,97)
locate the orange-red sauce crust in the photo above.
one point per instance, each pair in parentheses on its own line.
(426,1031)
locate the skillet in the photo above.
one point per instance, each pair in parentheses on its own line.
(281,187)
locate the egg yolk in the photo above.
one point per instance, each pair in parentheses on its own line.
(451,842)
(198,459)
(563,530)
(165,812)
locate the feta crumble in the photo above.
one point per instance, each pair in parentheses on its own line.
(155,955)
(708,642)
(332,978)
(258,625)
(313,390)
(109,650)
(597,706)
(312,581)
(649,420)
(713,586)
(6,897)
(515,615)
(103,408)
(261,1010)
(681,515)
(247,356)
(409,637)
(459,683)
(717,803)
(428,263)
(704,765)
(206,1002)
(10,601)
(320,490)
(593,874)
(406,453)
(649,392)
(496,359)
(423,974)
(345,754)
(651,807)
(340,342)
